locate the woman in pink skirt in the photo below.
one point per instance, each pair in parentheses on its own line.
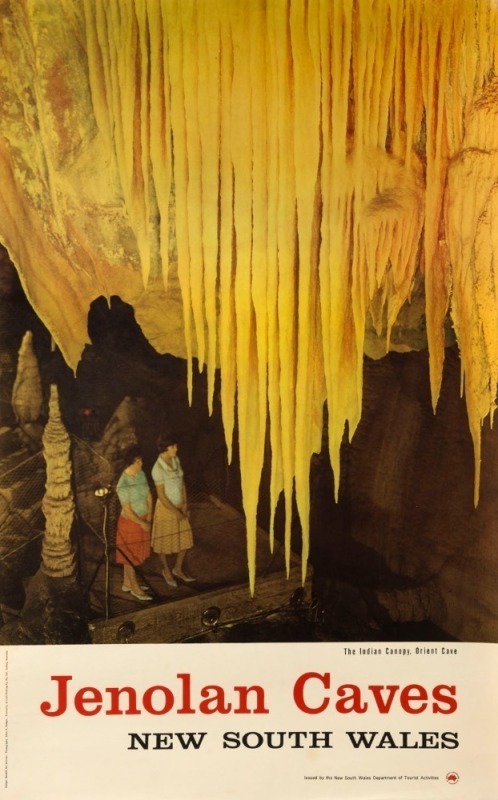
(171,531)
(133,531)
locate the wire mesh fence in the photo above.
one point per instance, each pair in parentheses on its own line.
(22,523)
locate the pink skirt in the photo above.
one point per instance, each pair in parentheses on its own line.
(132,542)
(169,534)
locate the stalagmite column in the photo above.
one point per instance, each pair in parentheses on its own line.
(27,396)
(58,503)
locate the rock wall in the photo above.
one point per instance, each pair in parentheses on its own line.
(405,531)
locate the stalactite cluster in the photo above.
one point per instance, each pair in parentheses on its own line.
(315,156)
(309,147)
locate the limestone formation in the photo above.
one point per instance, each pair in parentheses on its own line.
(100,463)
(27,394)
(58,503)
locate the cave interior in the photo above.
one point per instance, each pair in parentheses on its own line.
(402,554)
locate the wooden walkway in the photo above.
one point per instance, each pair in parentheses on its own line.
(218,560)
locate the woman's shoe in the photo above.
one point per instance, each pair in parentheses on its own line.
(183,577)
(170,581)
(128,588)
(141,596)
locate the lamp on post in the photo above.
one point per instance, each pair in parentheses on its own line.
(104,495)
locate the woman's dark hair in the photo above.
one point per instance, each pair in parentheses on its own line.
(131,454)
(165,440)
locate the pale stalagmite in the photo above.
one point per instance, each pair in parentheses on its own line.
(27,394)
(58,504)
(317,159)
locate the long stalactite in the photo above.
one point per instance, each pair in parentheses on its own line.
(317,157)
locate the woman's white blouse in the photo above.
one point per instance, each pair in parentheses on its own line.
(170,478)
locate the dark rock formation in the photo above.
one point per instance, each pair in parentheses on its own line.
(405,531)
(54,613)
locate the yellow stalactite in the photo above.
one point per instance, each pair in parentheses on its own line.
(286,251)
(329,55)
(413,108)
(335,256)
(274,370)
(227,335)
(470,222)
(248,385)
(142,140)
(180,159)
(208,94)
(436,37)
(305,41)
(160,130)
(187,10)
(259,245)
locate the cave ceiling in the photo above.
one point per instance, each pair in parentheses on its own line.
(271,186)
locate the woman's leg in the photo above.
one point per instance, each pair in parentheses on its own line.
(178,568)
(131,584)
(180,557)
(130,578)
(167,574)
(164,563)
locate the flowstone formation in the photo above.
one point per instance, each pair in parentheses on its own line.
(259,180)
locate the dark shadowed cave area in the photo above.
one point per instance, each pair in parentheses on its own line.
(403,555)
